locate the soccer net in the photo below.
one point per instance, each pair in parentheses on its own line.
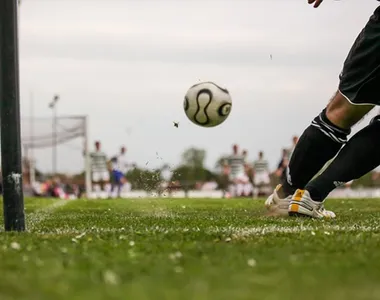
(37,133)
(67,136)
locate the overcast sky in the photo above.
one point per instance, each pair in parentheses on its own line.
(128,63)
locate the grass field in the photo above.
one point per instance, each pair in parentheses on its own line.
(190,249)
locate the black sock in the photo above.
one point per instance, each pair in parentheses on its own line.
(319,143)
(358,157)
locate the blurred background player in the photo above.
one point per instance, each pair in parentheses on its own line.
(248,187)
(119,169)
(261,177)
(236,171)
(281,171)
(245,155)
(99,169)
(294,144)
(282,165)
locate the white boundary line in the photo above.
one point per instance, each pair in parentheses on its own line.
(234,232)
(41,214)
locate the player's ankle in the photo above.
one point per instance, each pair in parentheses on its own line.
(316,191)
(286,190)
(315,195)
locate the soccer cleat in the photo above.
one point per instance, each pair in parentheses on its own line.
(276,205)
(302,205)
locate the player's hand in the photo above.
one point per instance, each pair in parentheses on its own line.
(316,2)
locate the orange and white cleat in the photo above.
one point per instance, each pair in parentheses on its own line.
(301,205)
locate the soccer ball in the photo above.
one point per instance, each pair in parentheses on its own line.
(207,104)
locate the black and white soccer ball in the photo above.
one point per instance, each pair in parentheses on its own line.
(207,104)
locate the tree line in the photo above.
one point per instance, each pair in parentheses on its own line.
(191,170)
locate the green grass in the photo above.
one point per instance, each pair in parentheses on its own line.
(190,249)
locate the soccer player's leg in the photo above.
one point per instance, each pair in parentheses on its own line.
(259,183)
(256,188)
(113,183)
(321,141)
(232,190)
(245,185)
(266,182)
(327,133)
(239,189)
(224,184)
(358,157)
(318,144)
(248,189)
(231,186)
(95,184)
(360,86)
(104,183)
(120,183)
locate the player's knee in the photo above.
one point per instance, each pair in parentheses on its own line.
(343,114)
(323,124)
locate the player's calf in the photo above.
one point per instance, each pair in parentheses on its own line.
(321,141)
(357,158)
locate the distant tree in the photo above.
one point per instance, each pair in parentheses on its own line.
(192,169)
(191,175)
(194,158)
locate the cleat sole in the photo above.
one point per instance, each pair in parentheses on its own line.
(298,215)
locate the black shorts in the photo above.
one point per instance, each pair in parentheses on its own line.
(360,78)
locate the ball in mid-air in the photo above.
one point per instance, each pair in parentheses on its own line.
(207,104)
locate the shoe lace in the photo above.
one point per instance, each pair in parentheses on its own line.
(323,210)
